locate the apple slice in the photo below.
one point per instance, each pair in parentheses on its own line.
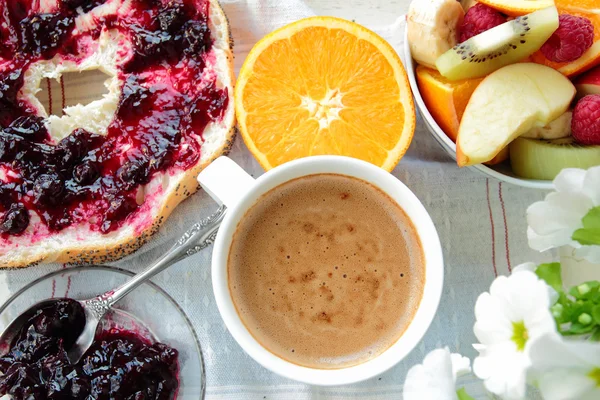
(507,104)
(588,83)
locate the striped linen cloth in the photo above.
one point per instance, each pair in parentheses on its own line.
(481,223)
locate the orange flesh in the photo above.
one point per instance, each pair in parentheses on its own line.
(322,90)
(446,100)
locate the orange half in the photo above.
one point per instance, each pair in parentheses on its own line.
(324,85)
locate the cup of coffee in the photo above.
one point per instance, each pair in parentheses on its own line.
(326,270)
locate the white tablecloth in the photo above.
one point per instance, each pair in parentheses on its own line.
(481,224)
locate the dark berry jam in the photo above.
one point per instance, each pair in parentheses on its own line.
(167,100)
(84,5)
(11,80)
(43,34)
(119,365)
(15,220)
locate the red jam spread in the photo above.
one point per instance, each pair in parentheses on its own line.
(118,365)
(157,127)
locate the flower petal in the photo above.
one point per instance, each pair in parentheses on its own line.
(433,379)
(523,296)
(593,394)
(591,185)
(528,266)
(551,351)
(569,180)
(551,226)
(557,212)
(503,371)
(590,253)
(460,365)
(565,383)
(579,203)
(519,298)
(491,324)
(553,221)
(561,367)
(543,242)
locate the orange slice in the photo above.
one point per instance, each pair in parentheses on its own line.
(589,9)
(500,157)
(324,85)
(446,100)
(517,7)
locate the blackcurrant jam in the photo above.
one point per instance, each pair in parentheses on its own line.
(167,100)
(119,365)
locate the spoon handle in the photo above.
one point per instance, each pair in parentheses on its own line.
(198,237)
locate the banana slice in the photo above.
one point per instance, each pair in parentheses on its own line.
(466,4)
(557,129)
(433,28)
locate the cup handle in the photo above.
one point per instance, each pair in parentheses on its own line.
(225,181)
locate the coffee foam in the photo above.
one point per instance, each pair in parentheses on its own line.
(326,271)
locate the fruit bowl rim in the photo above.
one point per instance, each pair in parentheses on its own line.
(446,143)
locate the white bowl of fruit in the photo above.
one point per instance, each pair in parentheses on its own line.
(509,87)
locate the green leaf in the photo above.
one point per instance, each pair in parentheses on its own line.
(592,219)
(569,333)
(596,314)
(564,300)
(578,309)
(550,273)
(579,329)
(596,335)
(589,235)
(569,308)
(585,291)
(463,395)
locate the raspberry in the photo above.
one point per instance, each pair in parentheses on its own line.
(586,120)
(572,38)
(479,18)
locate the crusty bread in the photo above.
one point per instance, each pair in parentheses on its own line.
(78,243)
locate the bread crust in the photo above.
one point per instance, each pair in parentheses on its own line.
(188,185)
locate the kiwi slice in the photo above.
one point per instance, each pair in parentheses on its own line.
(544,159)
(505,44)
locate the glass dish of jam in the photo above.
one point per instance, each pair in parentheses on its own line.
(145,349)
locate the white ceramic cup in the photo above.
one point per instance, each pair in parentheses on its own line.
(229,184)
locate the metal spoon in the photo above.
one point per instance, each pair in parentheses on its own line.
(200,236)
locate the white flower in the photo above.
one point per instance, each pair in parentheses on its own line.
(528,266)
(532,267)
(553,221)
(566,370)
(515,311)
(436,377)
